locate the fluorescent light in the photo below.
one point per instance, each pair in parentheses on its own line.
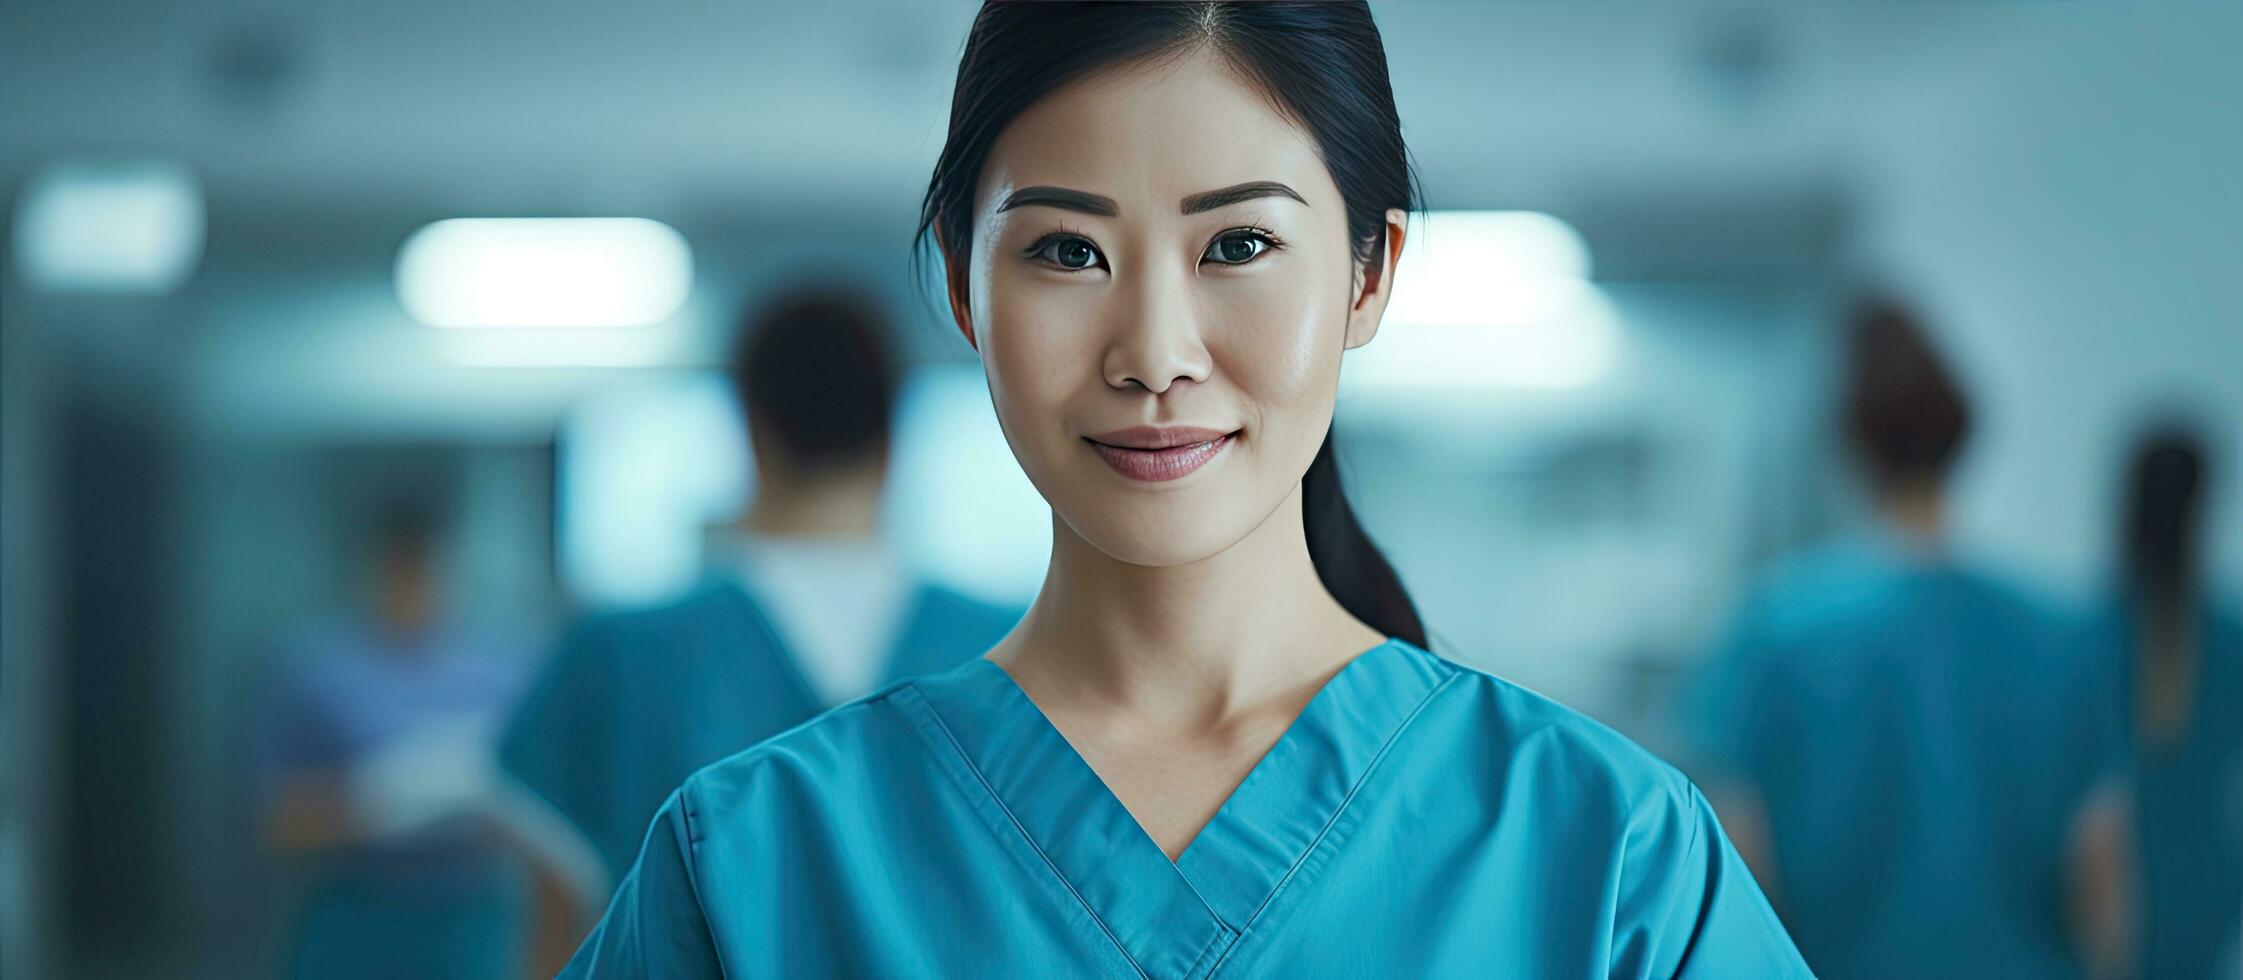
(560,347)
(1470,268)
(1571,348)
(1486,299)
(544,272)
(130,227)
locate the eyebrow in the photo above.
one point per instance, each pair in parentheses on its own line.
(1226,196)
(1067,199)
(1061,198)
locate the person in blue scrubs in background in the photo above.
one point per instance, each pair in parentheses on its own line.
(374,755)
(2175,689)
(1903,741)
(804,608)
(1216,744)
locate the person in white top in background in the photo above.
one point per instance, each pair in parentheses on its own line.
(804,607)
(837,602)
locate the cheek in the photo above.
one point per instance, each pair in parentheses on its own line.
(1027,346)
(1282,336)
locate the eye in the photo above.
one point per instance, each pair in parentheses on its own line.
(1070,252)
(1238,247)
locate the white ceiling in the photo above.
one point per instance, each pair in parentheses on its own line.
(415,107)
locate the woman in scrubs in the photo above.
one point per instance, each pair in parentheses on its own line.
(2176,696)
(1216,745)
(1907,730)
(412,876)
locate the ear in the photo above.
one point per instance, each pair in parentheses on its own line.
(954,280)
(1375,284)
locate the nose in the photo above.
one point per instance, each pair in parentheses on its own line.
(1156,341)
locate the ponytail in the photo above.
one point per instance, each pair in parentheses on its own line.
(1349,564)
(2161,528)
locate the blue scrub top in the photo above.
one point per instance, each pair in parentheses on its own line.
(634,702)
(2188,806)
(1919,735)
(1417,819)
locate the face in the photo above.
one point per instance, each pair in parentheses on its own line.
(408,586)
(1160,287)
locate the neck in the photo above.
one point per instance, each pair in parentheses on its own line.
(1919,510)
(1195,643)
(844,504)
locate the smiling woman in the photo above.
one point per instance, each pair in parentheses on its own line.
(1217,743)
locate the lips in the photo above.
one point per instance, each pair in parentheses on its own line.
(1154,455)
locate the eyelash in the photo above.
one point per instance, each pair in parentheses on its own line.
(1035,251)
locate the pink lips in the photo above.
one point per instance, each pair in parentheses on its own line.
(1155,454)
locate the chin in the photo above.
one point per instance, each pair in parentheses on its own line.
(1164,533)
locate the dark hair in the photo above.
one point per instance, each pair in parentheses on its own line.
(1905,416)
(2162,509)
(813,370)
(1320,63)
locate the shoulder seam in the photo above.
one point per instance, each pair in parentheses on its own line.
(686,808)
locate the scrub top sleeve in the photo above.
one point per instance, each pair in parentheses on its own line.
(1687,906)
(655,926)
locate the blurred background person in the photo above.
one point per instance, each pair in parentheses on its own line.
(2176,690)
(1893,732)
(377,742)
(804,607)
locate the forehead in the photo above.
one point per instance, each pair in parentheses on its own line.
(1148,134)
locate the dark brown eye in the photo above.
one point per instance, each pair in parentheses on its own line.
(1236,248)
(1069,253)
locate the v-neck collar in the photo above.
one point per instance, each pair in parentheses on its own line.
(900,661)
(1173,919)
(781,658)
(1285,802)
